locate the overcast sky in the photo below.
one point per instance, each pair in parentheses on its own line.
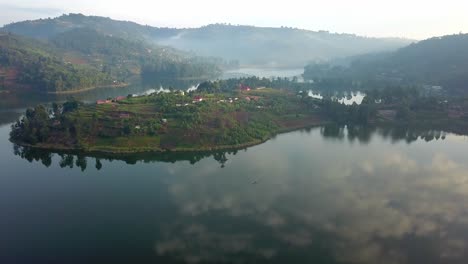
(416,19)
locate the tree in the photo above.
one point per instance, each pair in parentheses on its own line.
(70,105)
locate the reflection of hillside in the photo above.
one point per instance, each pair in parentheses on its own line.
(72,159)
(363,134)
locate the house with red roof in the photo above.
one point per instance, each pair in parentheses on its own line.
(244,88)
(198,98)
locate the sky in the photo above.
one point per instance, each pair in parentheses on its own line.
(415,19)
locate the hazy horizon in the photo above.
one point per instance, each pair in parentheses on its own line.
(415,20)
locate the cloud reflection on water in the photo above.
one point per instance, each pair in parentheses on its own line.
(362,204)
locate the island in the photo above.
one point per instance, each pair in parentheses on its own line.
(221,115)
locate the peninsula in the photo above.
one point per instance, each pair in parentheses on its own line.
(227,114)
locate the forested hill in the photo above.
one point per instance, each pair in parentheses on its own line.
(124,57)
(83,58)
(26,64)
(281,47)
(440,61)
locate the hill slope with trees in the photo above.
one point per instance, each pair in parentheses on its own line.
(29,64)
(84,58)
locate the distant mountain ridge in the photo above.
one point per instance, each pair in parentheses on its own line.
(260,46)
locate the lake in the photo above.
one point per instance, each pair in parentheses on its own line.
(323,195)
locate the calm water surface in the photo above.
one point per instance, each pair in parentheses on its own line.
(325,195)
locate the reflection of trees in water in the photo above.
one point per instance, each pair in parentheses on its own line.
(33,155)
(80,160)
(364,134)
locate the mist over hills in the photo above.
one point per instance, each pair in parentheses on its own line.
(252,46)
